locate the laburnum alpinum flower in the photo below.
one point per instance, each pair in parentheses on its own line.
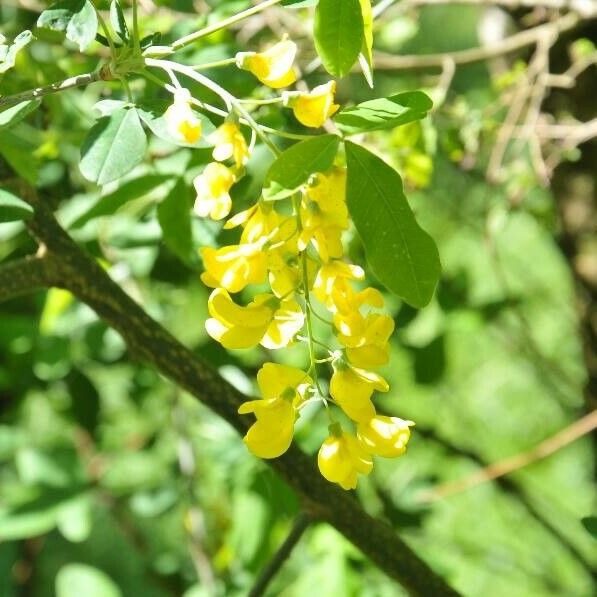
(229,143)
(313,108)
(342,458)
(283,389)
(213,191)
(385,436)
(180,119)
(273,67)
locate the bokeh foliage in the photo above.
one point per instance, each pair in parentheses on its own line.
(113,478)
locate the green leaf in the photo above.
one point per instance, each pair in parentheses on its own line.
(13,115)
(77,19)
(19,152)
(401,254)
(13,209)
(367,13)
(590,524)
(113,147)
(294,166)
(8,54)
(174,216)
(339,34)
(118,21)
(152,114)
(384,113)
(128,191)
(299,3)
(75,580)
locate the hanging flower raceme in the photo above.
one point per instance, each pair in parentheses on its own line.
(273,67)
(289,259)
(180,119)
(283,389)
(314,108)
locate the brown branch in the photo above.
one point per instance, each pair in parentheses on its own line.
(504,467)
(22,276)
(67,266)
(515,42)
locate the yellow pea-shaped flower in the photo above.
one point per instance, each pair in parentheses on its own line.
(385,436)
(213,191)
(180,119)
(229,142)
(314,108)
(341,459)
(274,66)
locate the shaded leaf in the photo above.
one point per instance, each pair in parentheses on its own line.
(13,115)
(174,216)
(118,21)
(8,53)
(77,19)
(13,209)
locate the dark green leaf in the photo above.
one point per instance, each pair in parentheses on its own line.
(295,165)
(401,254)
(118,21)
(339,34)
(114,146)
(15,114)
(383,113)
(590,524)
(174,216)
(130,190)
(77,19)
(13,209)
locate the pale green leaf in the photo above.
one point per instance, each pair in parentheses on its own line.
(13,209)
(384,113)
(114,146)
(76,580)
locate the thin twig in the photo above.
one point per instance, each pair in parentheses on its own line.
(547,447)
(300,525)
(506,46)
(103,74)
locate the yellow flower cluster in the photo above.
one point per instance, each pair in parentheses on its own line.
(292,252)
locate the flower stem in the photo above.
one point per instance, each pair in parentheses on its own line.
(216,64)
(193,37)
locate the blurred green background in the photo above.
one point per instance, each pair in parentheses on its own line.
(115,483)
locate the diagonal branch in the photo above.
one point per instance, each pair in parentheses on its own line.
(23,276)
(65,265)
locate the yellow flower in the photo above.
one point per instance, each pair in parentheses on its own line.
(384,436)
(283,388)
(351,388)
(314,108)
(229,143)
(324,214)
(341,458)
(272,67)
(181,120)
(235,266)
(365,338)
(266,320)
(332,287)
(213,191)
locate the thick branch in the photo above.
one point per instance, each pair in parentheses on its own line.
(68,267)
(22,276)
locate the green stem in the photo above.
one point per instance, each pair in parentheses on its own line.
(231,102)
(262,102)
(107,34)
(136,38)
(216,64)
(193,37)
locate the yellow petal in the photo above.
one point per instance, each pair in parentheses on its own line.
(273,379)
(222,307)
